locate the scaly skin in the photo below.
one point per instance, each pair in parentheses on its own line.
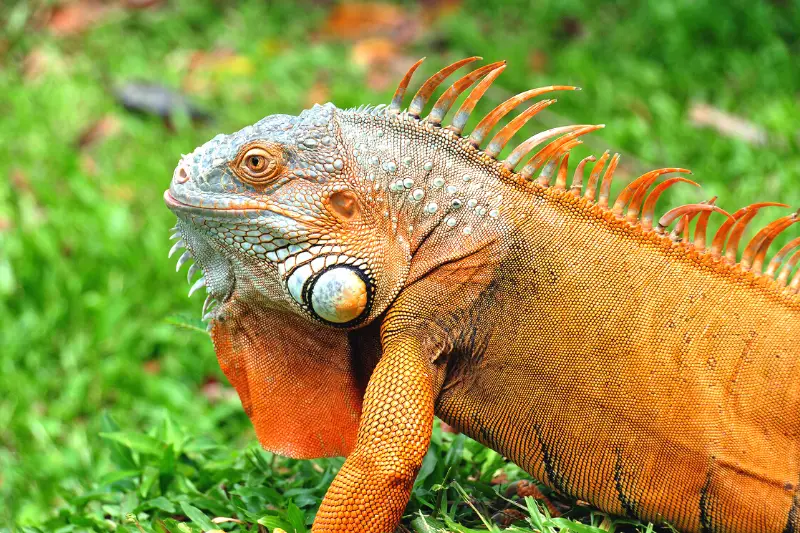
(371,269)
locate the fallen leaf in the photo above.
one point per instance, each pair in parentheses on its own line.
(223,519)
(704,115)
(98,131)
(69,18)
(354,20)
(500,479)
(88,164)
(382,61)
(506,517)
(374,51)
(538,60)
(19,180)
(34,64)
(152,367)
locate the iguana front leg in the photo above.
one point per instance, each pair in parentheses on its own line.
(372,489)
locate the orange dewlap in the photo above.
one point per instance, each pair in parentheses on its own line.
(294,380)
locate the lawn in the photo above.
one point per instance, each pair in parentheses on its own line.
(114,414)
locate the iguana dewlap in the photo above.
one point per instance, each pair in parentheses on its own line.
(372,268)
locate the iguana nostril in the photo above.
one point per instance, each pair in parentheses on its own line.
(182,176)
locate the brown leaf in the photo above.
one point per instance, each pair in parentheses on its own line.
(69,18)
(19,180)
(152,367)
(374,51)
(727,124)
(381,60)
(538,60)
(88,164)
(98,131)
(354,20)
(500,479)
(34,64)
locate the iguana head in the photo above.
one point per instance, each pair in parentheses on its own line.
(272,213)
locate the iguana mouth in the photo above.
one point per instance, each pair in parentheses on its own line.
(222,208)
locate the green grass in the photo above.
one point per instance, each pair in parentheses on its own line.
(106,420)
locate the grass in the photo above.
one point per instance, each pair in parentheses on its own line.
(112,418)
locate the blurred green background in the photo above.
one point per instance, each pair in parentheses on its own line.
(113,411)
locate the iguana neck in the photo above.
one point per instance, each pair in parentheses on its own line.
(432,193)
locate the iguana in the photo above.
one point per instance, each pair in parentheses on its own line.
(370,268)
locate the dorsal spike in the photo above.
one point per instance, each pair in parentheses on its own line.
(722,233)
(448,98)
(718,243)
(681,228)
(528,144)
(701,229)
(756,249)
(677,212)
(648,211)
(500,140)
(577,176)
(424,93)
(397,99)
(547,172)
(635,205)
(687,221)
(776,261)
(552,164)
(795,284)
(637,186)
(462,115)
(594,175)
(495,115)
(554,149)
(783,277)
(732,248)
(605,185)
(561,177)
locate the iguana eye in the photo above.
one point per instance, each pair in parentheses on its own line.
(258,164)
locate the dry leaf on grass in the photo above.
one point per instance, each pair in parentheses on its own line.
(69,18)
(355,20)
(704,115)
(382,60)
(98,131)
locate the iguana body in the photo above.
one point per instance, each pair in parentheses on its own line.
(374,268)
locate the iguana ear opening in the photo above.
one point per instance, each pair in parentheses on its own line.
(295,379)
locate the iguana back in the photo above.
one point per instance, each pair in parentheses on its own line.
(372,267)
(619,369)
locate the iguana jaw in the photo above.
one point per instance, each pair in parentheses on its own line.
(217,271)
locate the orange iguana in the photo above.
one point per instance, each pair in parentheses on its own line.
(373,267)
